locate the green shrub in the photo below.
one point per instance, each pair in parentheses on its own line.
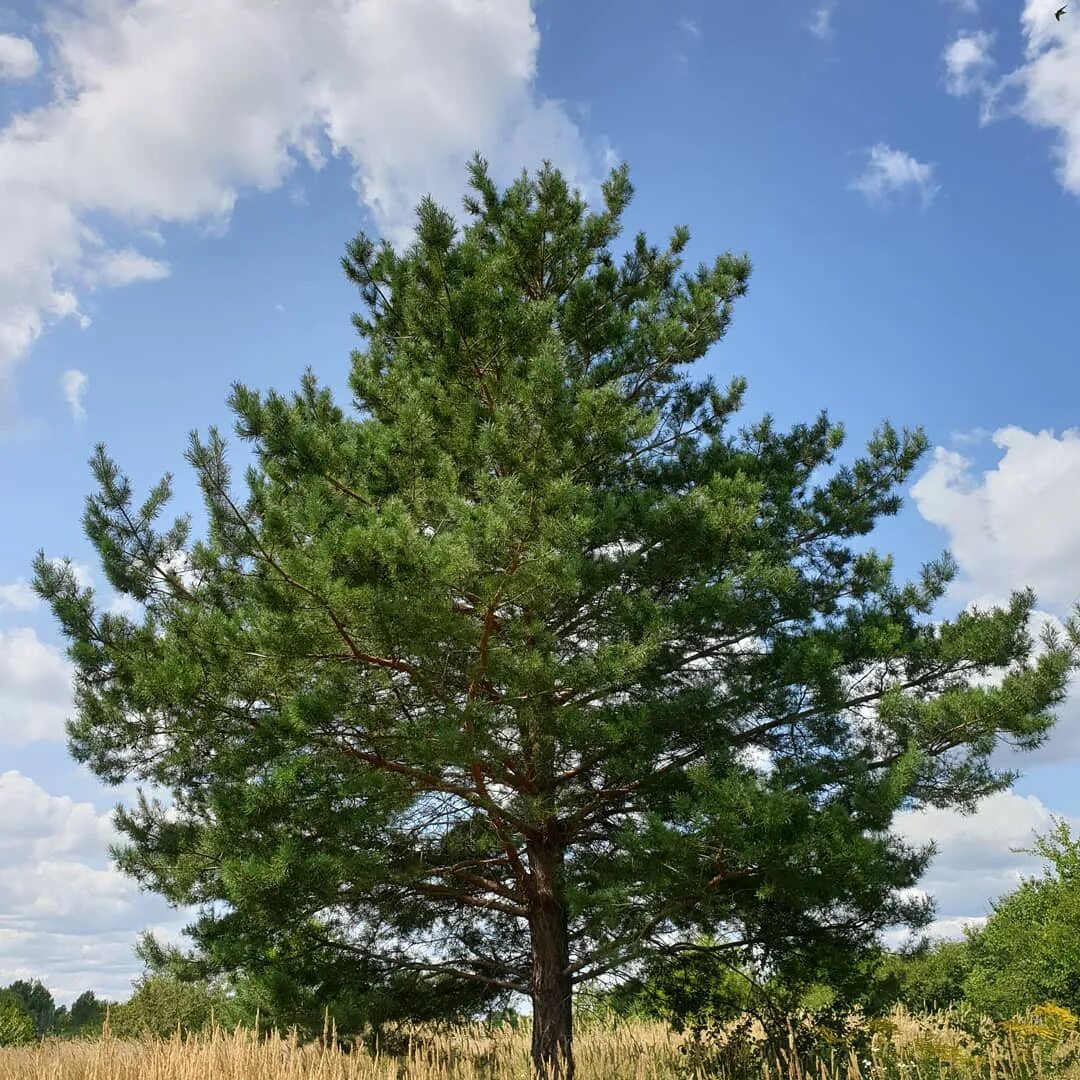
(162,1005)
(928,978)
(16,1025)
(1028,953)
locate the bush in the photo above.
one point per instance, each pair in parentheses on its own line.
(928,978)
(36,1001)
(16,1025)
(162,1005)
(1028,953)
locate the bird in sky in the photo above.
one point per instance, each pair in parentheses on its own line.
(1060,11)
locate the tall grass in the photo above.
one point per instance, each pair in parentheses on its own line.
(954,1045)
(642,1051)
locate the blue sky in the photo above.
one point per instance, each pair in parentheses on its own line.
(178,179)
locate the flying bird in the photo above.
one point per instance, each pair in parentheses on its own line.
(1060,11)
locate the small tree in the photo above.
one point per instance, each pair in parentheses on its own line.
(533,662)
(87,1012)
(929,977)
(16,1024)
(162,1005)
(1028,953)
(37,1002)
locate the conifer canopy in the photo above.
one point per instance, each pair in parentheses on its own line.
(530,660)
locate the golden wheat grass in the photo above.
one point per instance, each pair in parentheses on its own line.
(951,1045)
(634,1052)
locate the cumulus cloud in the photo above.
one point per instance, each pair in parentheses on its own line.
(1044,90)
(51,826)
(1049,85)
(893,174)
(35,689)
(67,916)
(17,596)
(74,385)
(968,63)
(1015,524)
(977,857)
(18,57)
(169,112)
(125,267)
(1010,522)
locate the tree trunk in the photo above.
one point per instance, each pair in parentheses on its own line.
(552,989)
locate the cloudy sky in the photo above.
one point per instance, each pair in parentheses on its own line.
(179,177)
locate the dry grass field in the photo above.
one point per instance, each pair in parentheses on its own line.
(945,1046)
(643,1051)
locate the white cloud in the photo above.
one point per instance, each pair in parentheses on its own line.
(74,385)
(1015,524)
(821,20)
(1011,525)
(18,57)
(892,174)
(168,113)
(69,963)
(67,916)
(968,63)
(125,267)
(1044,90)
(976,860)
(1049,84)
(17,596)
(689,27)
(35,688)
(50,826)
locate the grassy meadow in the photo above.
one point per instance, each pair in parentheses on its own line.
(951,1045)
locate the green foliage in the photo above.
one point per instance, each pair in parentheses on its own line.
(694,987)
(1028,953)
(16,1024)
(162,1005)
(299,982)
(37,1002)
(87,1013)
(927,978)
(535,657)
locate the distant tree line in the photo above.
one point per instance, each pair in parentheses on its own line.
(160,1005)
(163,1003)
(28,1011)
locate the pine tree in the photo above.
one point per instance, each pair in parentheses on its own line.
(529,662)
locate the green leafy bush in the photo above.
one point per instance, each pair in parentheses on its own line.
(927,978)
(162,1005)
(16,1025)
(1028,953)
